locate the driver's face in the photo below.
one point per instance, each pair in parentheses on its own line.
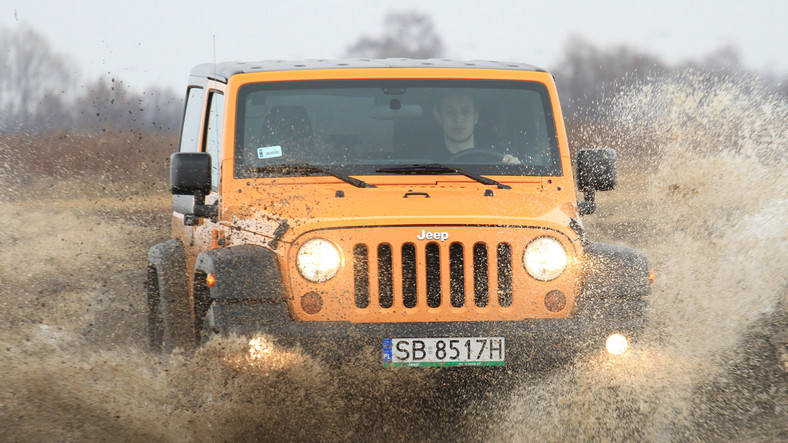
(457,116)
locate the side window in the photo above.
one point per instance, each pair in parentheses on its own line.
(213,134)
(192,118)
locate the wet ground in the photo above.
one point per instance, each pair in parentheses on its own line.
(709,207)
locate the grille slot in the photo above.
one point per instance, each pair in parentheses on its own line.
(481,293)
(361,275)
(504,275)
(457,275)
(385,277)
(409,286)
(436,265)
(433,274)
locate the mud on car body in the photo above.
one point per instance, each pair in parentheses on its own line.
(319,203)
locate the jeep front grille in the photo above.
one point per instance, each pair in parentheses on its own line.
(432,274)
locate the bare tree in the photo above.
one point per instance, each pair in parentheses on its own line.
(104,103)
(109,103)
(406,34)
(32,76)
(162,110)
(39,92)
(725,60)
(587,74)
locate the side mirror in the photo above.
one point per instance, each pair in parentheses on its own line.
(190,182)
(596,171)
(190,172)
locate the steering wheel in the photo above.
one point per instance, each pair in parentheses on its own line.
(480,152)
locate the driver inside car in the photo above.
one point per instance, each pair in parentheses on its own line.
(457,115)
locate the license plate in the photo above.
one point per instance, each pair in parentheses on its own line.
(452,351)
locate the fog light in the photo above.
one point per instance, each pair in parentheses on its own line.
(311,303)
(617,344)
(259,348)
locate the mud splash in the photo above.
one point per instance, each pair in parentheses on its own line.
(711,211)
(63,389)
(708,202)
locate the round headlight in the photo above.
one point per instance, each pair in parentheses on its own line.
(318,260)
(544,258)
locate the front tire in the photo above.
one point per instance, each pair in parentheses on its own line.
(169,312)
(169,322)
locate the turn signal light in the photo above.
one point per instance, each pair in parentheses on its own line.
(651,275)
(210,280)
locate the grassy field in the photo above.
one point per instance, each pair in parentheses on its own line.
(81,211)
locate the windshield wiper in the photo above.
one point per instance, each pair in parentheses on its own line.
(436,168)
(306,167)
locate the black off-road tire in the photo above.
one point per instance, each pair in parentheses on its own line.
(169,313)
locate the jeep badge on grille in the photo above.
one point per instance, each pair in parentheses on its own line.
(432,235)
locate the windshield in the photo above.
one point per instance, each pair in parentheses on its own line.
(359,127)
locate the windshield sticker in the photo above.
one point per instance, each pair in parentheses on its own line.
(269,152)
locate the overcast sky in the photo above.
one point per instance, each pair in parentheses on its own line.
(157,42)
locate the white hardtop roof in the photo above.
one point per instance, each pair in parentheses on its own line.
(223,71)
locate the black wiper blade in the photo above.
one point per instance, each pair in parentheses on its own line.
(306,167)
(437,168)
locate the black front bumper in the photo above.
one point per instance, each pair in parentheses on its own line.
(527,340)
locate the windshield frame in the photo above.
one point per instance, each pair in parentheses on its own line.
(371,169)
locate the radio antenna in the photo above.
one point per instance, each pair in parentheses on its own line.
(214,52)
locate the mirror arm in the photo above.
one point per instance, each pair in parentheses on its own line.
(199,198)
(207,211)
(201,210)
(589,205)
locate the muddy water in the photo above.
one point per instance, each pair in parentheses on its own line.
(708,204)
(712,214)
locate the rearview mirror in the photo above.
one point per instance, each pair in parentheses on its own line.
(190,182)
(190,172)
(395,110)
(596,171)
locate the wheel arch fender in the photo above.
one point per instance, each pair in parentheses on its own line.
(169,261)
(615,272)
(244,272)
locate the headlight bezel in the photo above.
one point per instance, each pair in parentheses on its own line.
(541,250)
(318,260)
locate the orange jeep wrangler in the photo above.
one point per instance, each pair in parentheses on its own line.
(424,208)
